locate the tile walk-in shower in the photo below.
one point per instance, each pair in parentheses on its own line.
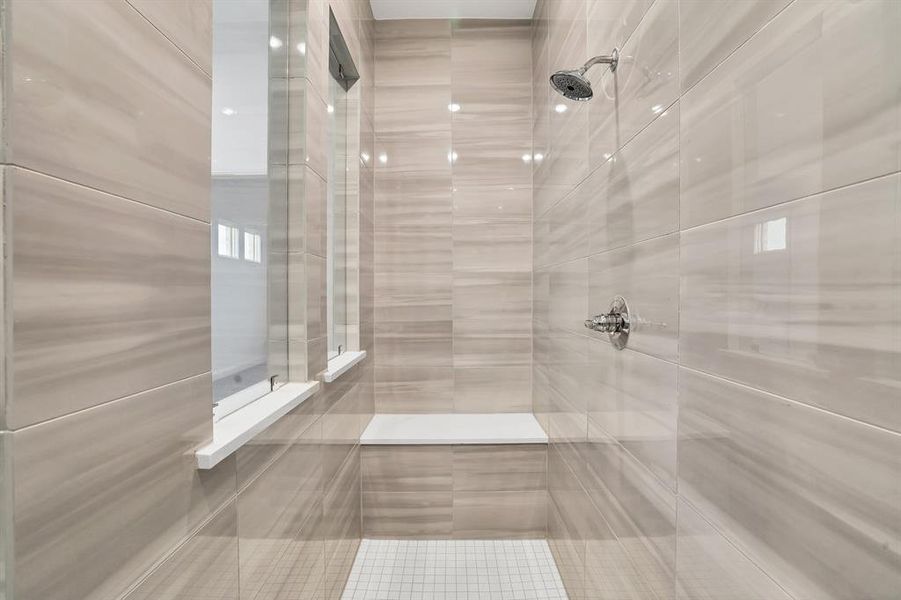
(454,570)
(446,227)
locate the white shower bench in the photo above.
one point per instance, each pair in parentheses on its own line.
(454,476)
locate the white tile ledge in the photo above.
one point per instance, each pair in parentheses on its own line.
(238,428)
(451,428)
(341,364)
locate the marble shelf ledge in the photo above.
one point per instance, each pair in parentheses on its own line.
(452,428)
(341,364)
(238,428)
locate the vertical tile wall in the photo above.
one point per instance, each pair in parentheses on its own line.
(738,181)
(453,216)
(107,322)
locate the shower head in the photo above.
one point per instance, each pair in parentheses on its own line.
(574,85)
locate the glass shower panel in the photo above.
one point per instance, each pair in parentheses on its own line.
(249,200)
(337,219)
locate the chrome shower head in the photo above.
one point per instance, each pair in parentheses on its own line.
(574,85)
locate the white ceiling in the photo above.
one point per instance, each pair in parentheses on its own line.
(452,9)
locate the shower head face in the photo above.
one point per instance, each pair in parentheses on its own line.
(572,85)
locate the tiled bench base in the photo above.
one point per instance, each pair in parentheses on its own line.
(460,476)
(455,491)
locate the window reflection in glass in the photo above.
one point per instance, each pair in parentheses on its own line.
(248,204)
(337,219)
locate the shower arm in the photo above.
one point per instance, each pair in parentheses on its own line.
(604,59)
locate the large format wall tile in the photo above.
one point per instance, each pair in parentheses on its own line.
(765,299)
(413,198)
(612,22)
(568,550)
(294,563)
(424,344)
(413,389)
(264,451)
(498,300)
(421,249)
(273,509)
(445,491)
(453,207)
(573,521)
(187,24)
(508,468)
(87,105)
(402,48)
(776,121)
(427,515)
(635,195)
(341,511)
(115,485)
(567,297)
(813,498)
(485,244)
(711,31)
(504,515)
(492,389)
(647,275)
(634,400)
(563,165)
(205,566)
(708,566)
(621,186)
(110,297)
(307,127)
(645,83)
(341,426)
(407,468)
(563,232)
(640,511)
(410,296)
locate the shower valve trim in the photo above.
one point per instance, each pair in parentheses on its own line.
(615,323)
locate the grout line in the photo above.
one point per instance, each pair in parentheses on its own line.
(600,513)
(729,541)
(644,467)
(607,250)
(615,154)
(161,561)
(798,199)
(116,400)
(104,192)
(675,577)
(791,400)
(171,41)
(728,56)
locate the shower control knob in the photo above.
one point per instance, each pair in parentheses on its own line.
(609,323)
(615,323)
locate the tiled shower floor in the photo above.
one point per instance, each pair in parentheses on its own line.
(454,570)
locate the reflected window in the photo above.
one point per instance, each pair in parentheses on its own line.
(248,203)
(253,247)
(228,237)
(770,235)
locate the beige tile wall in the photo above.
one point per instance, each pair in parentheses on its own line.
(455,491)
(723,121)
(453,216)
(107,320)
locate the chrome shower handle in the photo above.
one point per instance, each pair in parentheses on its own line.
(614,323)
(607,323)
